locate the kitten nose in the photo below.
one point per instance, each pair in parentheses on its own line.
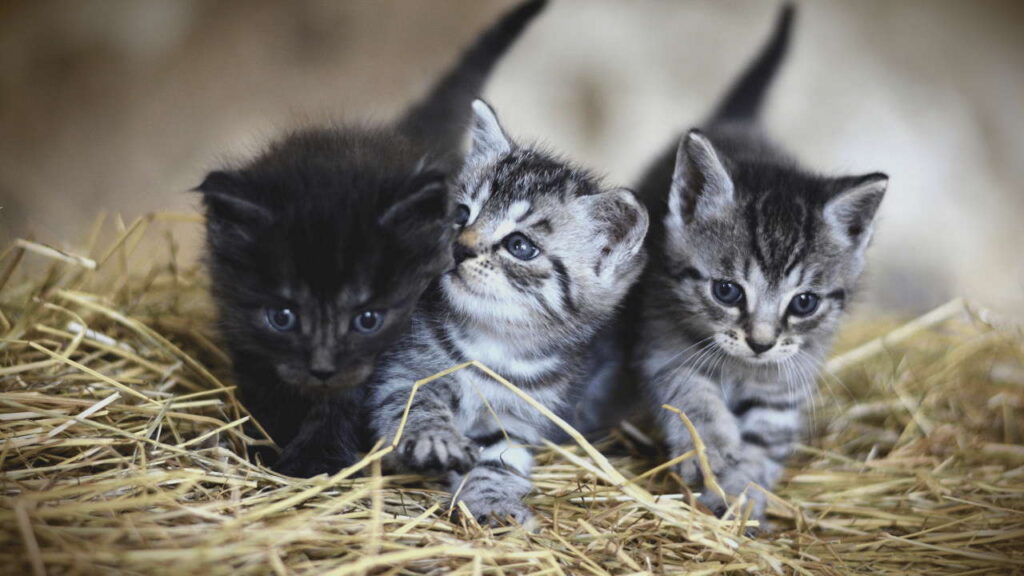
(462,252)
(758,347)
(322,374)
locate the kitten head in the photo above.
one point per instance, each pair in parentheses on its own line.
(760,255)
(541,245)
(319,249)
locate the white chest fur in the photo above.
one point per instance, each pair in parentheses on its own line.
(487,406)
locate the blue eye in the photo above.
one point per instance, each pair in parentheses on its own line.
(461,214)
(368,322)
(282,319)
(804,305)
(520,246)
(728,293)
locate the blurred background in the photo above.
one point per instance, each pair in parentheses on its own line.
(123,105)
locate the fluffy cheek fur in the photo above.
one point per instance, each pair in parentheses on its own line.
(505,291)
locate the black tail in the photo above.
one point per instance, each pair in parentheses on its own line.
(744,99)
(441,118)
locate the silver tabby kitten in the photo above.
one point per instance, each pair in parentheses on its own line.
(752,265)
(544,256)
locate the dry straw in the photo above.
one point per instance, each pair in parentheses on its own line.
(123,450)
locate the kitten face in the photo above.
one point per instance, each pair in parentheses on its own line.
(761,259)
(540,244)
(319,250)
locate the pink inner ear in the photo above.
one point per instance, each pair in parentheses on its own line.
(852,211)
(622,218)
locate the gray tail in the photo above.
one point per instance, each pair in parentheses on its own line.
(744,99)
(440,119)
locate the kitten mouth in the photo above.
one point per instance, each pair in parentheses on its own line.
(463,284)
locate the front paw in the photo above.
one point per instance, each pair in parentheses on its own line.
(437,450)
(308,461)
(295,466)
(734,486)
(732,481)
(495,500)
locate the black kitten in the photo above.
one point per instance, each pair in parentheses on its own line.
(320,247)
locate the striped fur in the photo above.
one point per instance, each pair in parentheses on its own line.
(529,320)
(732,208)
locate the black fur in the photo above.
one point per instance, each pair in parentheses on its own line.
(440,119)
(743,101)
(330,223)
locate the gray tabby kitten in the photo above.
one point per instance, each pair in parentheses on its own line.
(544,256)
(752,266)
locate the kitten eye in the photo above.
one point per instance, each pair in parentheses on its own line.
(804,304)
(368,322)
(728,293)
(461,214)
(282,319)
(520,246)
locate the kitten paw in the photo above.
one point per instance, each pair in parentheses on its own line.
(495,501)
(733,483)
(437,450)
(754,499)
(306,462)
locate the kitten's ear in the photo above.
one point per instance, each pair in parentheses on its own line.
(427,205)
(222,195)
(701,187)
(622,225)
(489,139)
(850,213)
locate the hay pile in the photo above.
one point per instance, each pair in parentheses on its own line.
(123,450)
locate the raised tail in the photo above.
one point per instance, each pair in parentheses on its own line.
(743,100)
(441,118)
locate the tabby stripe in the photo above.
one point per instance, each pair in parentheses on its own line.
(446,343)
(396,398)
(755,246)
(688,273)
(748,404)
(564,283)
(494,465)
(495,437)
(802,241)
(756,439)
(543,224)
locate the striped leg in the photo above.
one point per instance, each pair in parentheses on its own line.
(493,490)
(733,464)
(768,432)
(430,441)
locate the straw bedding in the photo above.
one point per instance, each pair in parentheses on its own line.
(123,451)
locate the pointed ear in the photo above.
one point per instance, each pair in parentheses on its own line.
(850,214)
(622,224)
(222,195)
(428,205)
(701,187)
(489,139)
